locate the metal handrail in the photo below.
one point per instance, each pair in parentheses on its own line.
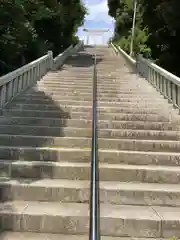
(94,227)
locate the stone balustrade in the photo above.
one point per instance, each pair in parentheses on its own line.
(13,83)
(59,60)
(165,82)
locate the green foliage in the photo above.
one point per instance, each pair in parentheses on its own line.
(29,28)
(157,32)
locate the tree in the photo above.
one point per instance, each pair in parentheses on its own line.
(157,29)
(29,28)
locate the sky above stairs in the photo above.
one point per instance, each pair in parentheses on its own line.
(97,18)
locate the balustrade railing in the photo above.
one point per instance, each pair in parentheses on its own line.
(13,83)
(165,82)
(59,60)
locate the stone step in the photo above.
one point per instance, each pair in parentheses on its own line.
(52,98)
(89,94)
(64,131)
(88,80)
(104,80)
(81,171)
(58,190)
(49,236)
(84,123)
(73,218)
(56,122)
(82,142)
(112,80)
(111,103)
(126,77)
(139,173)
(88,89)
(60,114)
(106,89)
(85,90)
(67,76)
(9,113)
(54,154)
(114,87)
(87,108)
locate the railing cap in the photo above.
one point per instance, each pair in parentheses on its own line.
(8,77)
(173,78)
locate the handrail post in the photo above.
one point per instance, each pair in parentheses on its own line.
(94,223)
(51,62)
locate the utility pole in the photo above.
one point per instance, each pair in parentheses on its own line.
(133,27)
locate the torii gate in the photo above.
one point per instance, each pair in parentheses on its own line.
(95,32)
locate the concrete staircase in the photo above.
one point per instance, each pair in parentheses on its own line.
(45,138)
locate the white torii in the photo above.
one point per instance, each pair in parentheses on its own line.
(95,32)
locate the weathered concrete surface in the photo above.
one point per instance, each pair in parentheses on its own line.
(45,138)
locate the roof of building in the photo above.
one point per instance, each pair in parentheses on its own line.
(96,30)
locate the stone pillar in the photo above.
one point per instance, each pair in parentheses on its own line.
(51,61)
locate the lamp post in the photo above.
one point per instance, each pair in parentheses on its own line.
(133,27)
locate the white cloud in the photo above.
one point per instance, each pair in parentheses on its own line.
(98,15)
(99,12)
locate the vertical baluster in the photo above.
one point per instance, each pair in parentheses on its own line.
(33,74)
(153,77)
(159,80)
(169,89)
(163,86)
(2,95)
(20,83)
(156,80)
(149,74)
(26,79)
(178,96)
(40,71)
(162,80)
(166,83)
(9,91)
(44,68)
(23,82)
(47,64)
(50,60)
(173,93)
(160,83)
(13,87)
(36,73)
(16,85)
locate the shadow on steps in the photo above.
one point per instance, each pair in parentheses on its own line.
(16,152)
(84,60)
(13,155)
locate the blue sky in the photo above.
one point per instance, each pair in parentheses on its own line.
(97,18)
